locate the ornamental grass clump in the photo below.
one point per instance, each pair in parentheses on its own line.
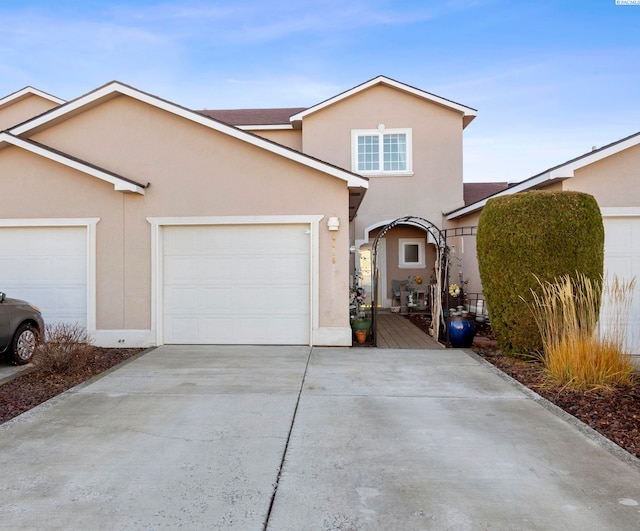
(579,351)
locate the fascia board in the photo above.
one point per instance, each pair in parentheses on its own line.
(29,91)
(463,109)
(567,170)
(263,127)
(561,172)
(120,185)
(520,187)
(116,88)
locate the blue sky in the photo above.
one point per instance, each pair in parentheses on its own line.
(550,79)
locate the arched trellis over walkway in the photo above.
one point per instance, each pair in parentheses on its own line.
(438,237)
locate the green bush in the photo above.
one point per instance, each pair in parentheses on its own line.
(524,239)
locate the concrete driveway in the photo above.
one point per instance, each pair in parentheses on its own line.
(292,438)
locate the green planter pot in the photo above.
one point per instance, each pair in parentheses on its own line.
(361,324)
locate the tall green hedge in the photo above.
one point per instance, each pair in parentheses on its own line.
(546,234)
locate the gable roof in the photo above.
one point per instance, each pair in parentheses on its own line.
(25,93)
(120,184)
(115,88)
(255,118)
(468,114)
(561,172)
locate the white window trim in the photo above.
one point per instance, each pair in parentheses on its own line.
(421,264)
(380,132)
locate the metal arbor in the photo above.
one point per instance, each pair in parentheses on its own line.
(441,270)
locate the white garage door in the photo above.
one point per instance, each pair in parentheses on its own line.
(236,284)
(46,266)
(622,257)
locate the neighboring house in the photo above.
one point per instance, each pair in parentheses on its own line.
(612,175)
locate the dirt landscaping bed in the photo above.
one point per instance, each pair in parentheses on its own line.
(33,388)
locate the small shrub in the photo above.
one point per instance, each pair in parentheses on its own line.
(578,353)
(66,349)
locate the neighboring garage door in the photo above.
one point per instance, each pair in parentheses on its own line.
(46,266)
(622,257)
(236,284)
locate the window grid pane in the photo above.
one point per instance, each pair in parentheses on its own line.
(395,152)
(368,153)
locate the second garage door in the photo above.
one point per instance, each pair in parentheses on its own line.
(622,258)
(236,284)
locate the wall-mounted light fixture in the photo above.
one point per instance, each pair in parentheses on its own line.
(333,223)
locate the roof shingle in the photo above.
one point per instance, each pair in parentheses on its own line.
(253,116)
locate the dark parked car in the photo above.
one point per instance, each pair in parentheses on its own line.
(21,326)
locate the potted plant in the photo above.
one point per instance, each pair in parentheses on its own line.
(360,321)
(461,327)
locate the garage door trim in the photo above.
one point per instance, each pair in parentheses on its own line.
(157,277)
(90,224)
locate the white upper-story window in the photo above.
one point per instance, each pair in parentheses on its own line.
(381,151)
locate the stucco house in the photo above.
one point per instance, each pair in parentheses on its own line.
(406,141)
(150,223)
(612,175)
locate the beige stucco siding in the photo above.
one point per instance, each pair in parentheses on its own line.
(464,256)
(192,171)
(612,181)
(23,109)
(436,183)
(53,191)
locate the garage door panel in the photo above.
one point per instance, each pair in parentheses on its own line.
(620,265)
(48,267)
(246,284)
(622,258)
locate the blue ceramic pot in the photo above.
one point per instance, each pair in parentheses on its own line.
(461,331)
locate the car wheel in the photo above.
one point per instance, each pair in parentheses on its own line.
(24,344)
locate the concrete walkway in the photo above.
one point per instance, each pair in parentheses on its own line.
(295,438)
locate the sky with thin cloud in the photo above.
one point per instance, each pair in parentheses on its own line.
(550,79)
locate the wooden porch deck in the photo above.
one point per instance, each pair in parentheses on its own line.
(395,331)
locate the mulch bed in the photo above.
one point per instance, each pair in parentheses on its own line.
(33,387)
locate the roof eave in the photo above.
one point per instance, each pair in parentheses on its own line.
(115,88)
(556,174)
(120,184)
(25,93)
(540,181)
(467,112)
